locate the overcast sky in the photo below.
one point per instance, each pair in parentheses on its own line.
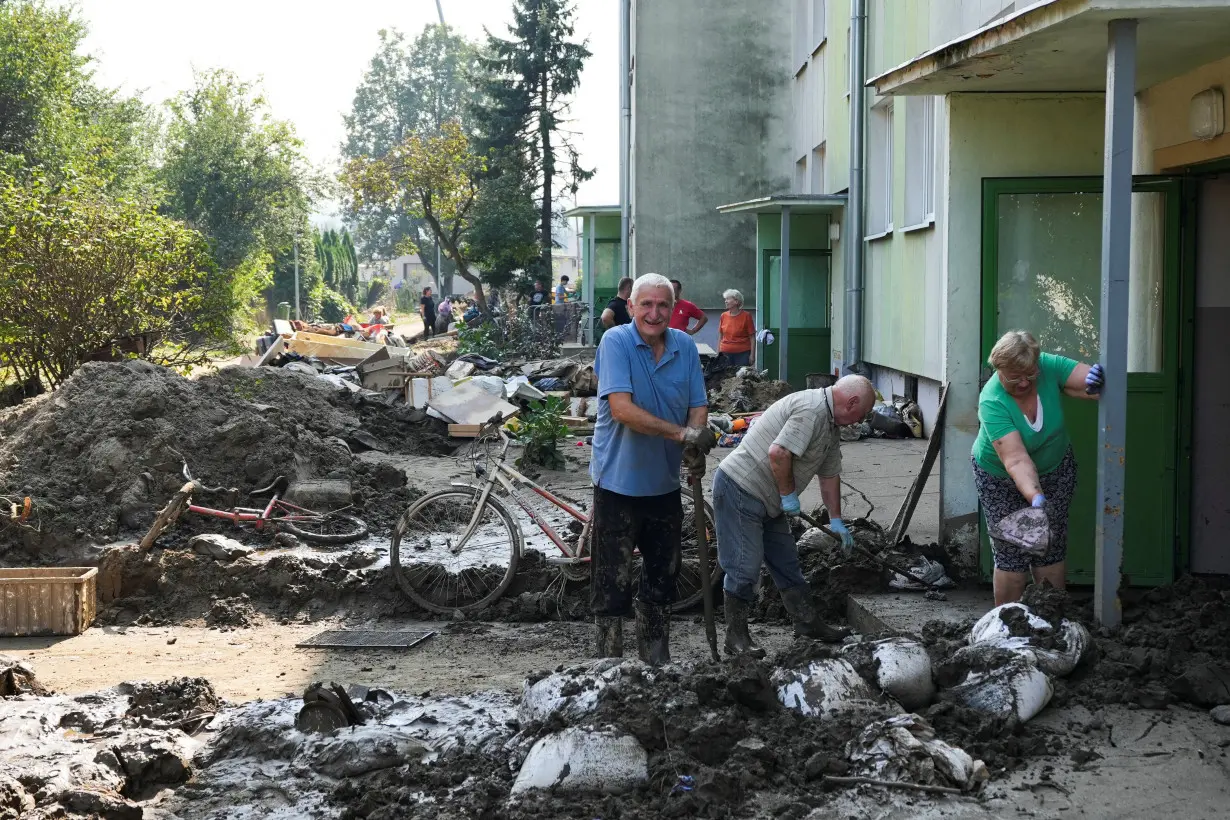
(311,60)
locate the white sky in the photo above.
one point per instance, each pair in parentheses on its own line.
(311,57)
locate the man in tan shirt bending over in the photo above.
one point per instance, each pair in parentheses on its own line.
(757,487)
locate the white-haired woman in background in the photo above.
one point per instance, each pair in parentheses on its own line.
(736,331)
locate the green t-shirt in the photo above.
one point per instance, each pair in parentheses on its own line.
(999,415)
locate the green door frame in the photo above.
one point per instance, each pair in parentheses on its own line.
(1178,307)
(764,358)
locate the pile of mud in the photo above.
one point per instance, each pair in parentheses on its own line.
(99,456)
(1172,647)
(746,394)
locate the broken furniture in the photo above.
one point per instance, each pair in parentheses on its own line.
(47,600)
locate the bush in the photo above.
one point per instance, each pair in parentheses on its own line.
(333,306)
(376,291)
(513,335)
(540,433)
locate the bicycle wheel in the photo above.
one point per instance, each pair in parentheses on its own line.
(442,577)
(324,528)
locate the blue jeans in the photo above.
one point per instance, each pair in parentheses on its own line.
(748,537)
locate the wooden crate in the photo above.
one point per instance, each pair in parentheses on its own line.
(47,600)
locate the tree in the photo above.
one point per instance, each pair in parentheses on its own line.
(53,116)
(434,178)
(408,88)
(84,275)
(524,98)
(504,237)
(237,175)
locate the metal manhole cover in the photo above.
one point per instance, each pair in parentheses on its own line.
(365,639)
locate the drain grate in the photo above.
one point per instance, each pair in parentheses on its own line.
(365,639)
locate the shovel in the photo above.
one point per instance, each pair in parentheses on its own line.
(868,554)
(702,557)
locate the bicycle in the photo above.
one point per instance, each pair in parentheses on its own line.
(278,515)
(474,532)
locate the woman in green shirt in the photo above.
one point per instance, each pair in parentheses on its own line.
(1023,455)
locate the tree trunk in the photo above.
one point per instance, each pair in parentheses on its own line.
(463,268)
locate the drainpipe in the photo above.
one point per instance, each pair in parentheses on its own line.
(625,130)
(855,230)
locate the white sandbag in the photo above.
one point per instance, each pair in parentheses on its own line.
(823,688)
(992,631)
(904,747)
(1016,688)
(903,670)
(544,698)
(584,760)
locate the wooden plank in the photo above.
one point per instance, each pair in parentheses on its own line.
(906,512)
(305,336)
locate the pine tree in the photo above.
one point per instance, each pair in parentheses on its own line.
(529,80)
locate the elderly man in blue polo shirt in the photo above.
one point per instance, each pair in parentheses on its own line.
(653,415)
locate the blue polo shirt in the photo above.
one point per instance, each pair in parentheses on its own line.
(627,462)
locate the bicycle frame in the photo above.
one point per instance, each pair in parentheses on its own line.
(255,515)
(500,474)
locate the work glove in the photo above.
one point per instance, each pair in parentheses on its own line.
(790,504)
(841,531)
(1095,379)
(1039,502)
(700,439)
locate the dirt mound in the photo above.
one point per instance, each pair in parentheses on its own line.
(99,455)
(747,394)
(232,613)
(1173,645)
(172,701)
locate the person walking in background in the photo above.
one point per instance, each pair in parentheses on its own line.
(616,312)
(736,331)
(427,310)
(561,291)
(539,296)
(685,312)
(444,314)
(1023,455)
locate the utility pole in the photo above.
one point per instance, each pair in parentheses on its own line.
(298,316)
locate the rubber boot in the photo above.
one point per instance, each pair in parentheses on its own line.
(610,636)
(738,641)
(653,633)
(807,621)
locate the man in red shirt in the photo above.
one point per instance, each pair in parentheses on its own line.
(685,312)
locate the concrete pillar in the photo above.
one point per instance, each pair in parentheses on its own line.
(783,299)
(1116,248)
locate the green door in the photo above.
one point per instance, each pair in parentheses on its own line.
(809,332)
(1042,251)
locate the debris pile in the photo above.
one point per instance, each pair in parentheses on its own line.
(100,455)
(748,391)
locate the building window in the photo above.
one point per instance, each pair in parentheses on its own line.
(818,21)
(817,169)
(919,161)
(800,175)
(880,170)
(801,49)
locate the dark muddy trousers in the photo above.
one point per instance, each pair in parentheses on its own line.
(622,523)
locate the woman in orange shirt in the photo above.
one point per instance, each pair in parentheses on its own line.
(736,331)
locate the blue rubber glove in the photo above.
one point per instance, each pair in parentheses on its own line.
(1094,380)
(847,538)
(790,504)
(1039,501)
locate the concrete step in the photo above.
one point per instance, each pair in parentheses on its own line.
(906,612)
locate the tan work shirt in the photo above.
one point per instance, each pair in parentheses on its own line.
(801,423)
